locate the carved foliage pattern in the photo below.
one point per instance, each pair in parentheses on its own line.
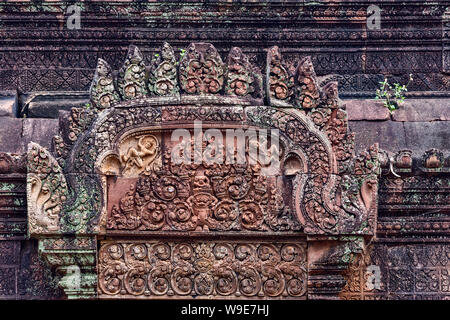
(279,81)
(163,73)
(201,70)
(202,269)
(242,78)
(307,90)
(131,81)
(46,190)
(103,92)
(330,197)
(414,272)
(328,202)
(202,197)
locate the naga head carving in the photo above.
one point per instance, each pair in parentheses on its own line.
(46,191)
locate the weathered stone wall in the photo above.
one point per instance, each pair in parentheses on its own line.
(46,68)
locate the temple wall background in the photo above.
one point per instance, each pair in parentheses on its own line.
(46,69)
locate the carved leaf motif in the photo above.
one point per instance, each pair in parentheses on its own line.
(306,90)
(201,197)
(243,79)
(103,93)
(163,80)
(279,82)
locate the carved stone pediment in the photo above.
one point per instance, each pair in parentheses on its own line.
(115,168)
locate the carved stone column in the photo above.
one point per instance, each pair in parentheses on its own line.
(75,259)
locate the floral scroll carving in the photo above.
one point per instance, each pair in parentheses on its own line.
(202,197)
(103,92)
(279,83)
(307,91)
(163,73)
(131,79)
(113,174)
(326,200)
(330,193)
(202,269)
(243,79)
(333,192)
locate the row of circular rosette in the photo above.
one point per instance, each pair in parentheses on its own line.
(202,269)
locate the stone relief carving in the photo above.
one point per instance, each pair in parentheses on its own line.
(201,70)
(202,269)
(75,260)
(46,191)
(415,271)
(131,81)
(119,176)
(346,204)
(243,79)
(307,90)
(103,92)
(279,82)
(433,160)
(137,153)
(201,197)
(427,66)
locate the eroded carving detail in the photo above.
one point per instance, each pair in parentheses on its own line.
(123,181)
(202,197)
(163,73)
(414,271)
(131,79)
(73,258)
(433,159)
(201,69)
(103,93)
(137,158)
(326,202)
(306,94)
(278,81)
(243,79)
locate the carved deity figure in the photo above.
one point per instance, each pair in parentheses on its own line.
(330,96)
(146,146)
(163,73)
(202,203)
